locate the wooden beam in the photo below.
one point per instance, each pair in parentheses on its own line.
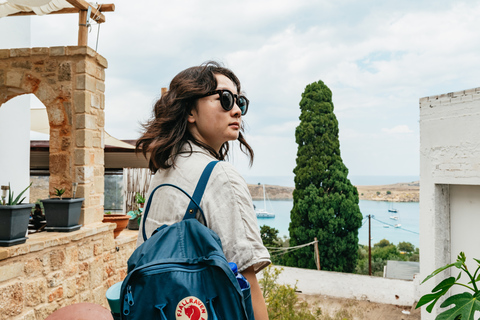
(82,28)
(83,5)
(109,7)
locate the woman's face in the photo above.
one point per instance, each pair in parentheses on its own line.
(210,123)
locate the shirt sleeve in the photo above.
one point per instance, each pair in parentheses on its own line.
(230,213)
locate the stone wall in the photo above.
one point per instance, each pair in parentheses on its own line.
(52,270)
(70,82)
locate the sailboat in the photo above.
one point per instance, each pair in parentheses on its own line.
(392,209)
(263,213)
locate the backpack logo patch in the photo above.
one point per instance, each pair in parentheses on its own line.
(191,308)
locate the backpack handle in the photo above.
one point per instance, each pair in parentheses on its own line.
(194,201)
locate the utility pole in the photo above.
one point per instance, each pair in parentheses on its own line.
(315,245)
(369,245)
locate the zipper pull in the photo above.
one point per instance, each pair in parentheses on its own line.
(128,301)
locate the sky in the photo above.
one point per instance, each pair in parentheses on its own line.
(378,57)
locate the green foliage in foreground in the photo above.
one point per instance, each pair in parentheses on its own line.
(282,301)
(464,304)
(383,251)
(325,203)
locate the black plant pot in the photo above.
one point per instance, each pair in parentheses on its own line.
(62,215)
(14,224)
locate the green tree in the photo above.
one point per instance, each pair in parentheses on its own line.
(269,236)
(325,203)
(406,247)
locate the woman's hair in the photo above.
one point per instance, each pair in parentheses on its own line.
(166,132)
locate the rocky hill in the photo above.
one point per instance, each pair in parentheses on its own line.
(398,192)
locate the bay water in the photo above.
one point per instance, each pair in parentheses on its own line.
(382,226)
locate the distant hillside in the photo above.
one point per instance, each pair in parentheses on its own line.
(273,192)
(398,192)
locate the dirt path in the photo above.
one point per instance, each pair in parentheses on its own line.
(341,309)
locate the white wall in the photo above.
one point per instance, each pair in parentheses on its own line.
(351,286)
(15,115)
(449,182)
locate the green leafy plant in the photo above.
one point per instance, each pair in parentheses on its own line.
(282,301)
(14,201)
(59,192)
(465,304)
(139,198)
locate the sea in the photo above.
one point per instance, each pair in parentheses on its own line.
(382,226)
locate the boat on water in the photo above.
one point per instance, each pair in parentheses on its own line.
(392,210)
(386,226)
(263,213)
(394,217)
(398,225)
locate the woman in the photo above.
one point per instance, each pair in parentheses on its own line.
(192,125)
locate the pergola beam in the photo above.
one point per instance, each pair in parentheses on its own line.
(83,5)
(109,7)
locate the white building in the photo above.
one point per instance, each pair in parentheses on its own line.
(449,183)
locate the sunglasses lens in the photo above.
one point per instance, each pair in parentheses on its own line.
(242,103)
(227,100)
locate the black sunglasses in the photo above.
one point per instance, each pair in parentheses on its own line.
(227,100)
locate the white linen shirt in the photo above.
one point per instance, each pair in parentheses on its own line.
(226,203)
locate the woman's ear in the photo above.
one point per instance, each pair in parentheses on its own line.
(191,116)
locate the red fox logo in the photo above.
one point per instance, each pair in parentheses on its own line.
(191,308)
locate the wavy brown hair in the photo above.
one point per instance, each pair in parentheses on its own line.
(166,132)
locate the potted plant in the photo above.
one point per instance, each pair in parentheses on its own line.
(466,303)
(62,214)
(136,215)
(121,220)
(14,217)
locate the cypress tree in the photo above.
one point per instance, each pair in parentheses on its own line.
(325,203)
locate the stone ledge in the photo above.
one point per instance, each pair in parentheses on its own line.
(43,240)
(126,236)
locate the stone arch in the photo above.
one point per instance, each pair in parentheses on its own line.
(70,82)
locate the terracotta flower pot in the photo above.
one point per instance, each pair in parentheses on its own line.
(120,219)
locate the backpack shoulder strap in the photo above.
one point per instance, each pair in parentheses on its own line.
(194,201)
(198,193)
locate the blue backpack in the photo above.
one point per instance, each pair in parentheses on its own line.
(180,272)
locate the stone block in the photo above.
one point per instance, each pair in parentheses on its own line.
(57,259)
(102,101)
(21,52)
(96,273)
(35,292)
(55,294)
(55,279)
(34,267)
(51,66)
(45,93)
(22,64)
(85,296)
(39,51)
(57,51)
(30,315)
(84,138)
(30,83)
(81,50)
(70,288)
(86,121)
(85,82)
(109,269)
(102,61)
(2,77)
(85,251)
(4,53)
(99,296)
(12,298)
(99,184)
(83,266)
(84,174)
(82,282)
(95,102)
(11,271)
(82,102)
(45,309)
(60,165)
(101,86)
(14,78)
(65,72)
(82,157)
(37,246)
(57,115)
(97,249)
